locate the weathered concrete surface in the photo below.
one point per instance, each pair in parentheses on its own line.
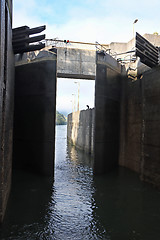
(120,47)
(79,60)
(150,163)
(133,68)
(6,102)
(76,63)
(131,125)
(80,129)
(127,120)
(140,121)
(34,117)
(71,62)
(107,113)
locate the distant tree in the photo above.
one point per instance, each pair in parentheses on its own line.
(155,33)
(60,119)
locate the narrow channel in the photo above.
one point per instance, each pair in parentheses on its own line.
(79,206)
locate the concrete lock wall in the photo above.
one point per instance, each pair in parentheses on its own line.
(131,124)
(34,117)
(6,102)
(150,163)
(126,121)
(140,123)
(107,113)
(80,129)
(71,62)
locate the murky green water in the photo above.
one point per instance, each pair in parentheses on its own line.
(79,206)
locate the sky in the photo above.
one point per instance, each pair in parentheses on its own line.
(67,94)
(104,21)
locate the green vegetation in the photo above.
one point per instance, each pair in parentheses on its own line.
(60,119)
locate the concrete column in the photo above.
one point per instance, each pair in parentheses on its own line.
(34,117)
(107,117)
(6,102)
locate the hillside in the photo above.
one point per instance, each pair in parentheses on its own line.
(60,119)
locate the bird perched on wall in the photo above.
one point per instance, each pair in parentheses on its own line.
(87,106)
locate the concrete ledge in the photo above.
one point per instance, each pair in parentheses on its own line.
(75,76)
(108,61)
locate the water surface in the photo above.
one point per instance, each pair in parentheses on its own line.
(78,205)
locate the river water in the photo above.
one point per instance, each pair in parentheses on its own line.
(79,206)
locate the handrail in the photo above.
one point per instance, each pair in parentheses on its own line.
(102,46)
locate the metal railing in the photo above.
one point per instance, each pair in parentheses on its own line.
(101,48)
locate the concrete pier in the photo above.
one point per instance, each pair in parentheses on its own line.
(34,116)
(107,113)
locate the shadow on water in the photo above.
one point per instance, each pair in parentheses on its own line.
(127,208)
(27,206)
(78,205)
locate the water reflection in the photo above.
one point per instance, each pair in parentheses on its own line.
(79,206)
(71,210)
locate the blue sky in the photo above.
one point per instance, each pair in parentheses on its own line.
(89,20)
(104,21)
(67,87)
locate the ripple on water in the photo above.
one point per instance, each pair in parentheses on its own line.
(79,207)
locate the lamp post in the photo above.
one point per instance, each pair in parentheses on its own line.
(72,105)
(74,102)
(78,94)
(135,21)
